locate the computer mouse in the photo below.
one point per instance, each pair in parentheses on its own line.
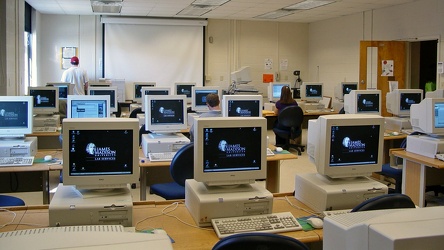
(279,149)
(315,222)
(159,231)
(47,158)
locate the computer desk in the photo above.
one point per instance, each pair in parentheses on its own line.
(418,171)
(148,215)
(43,167)
(273,170)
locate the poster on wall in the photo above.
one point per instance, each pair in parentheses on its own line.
(268,63)
(67,53)
(387,68)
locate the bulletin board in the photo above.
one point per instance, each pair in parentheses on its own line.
(67,53)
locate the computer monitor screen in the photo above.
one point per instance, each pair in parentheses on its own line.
(100,153)
(153,91)
(344,88)
(110,91)
(16,116)
(363,102)
(88,106)
(165,114)
(311,91)
(274,90)
(347,145)
(398,101)
(199,97)
(242,105)
(428,116)
(230,150)
(184,88)
(46,101)
(65,88)
(137,90)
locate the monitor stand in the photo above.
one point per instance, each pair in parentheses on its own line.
(204,205)
(50,120)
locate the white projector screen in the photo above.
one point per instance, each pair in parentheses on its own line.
(164,54)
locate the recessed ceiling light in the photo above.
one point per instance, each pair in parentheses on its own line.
(308,4)
(210,2)
(106,6)
(195,10)
(275,14)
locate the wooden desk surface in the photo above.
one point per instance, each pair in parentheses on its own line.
(269,113)
(427,161)
(147,215)
(57,133)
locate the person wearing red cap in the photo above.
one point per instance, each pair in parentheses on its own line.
(77,76)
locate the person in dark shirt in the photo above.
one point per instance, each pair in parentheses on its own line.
(286,100)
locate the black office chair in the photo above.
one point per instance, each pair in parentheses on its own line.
(142,130)
(289,127)
(341,111)
(385,201)
(10,201)
(135,111)
(181,168)
(263,241)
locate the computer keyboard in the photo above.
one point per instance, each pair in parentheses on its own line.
(16,161)
(270,152)
(336,212)
(267,223)
(44,129)
(162,156)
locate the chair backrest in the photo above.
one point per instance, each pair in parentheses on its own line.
(142,131)
(10,201)
(291,116)
(134,113)
(182,164)
(386,201)
(265,241)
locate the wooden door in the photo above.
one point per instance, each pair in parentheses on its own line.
(372,56)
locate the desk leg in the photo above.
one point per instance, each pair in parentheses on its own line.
(273,173)
(413,181)
(45,186)
(143,173)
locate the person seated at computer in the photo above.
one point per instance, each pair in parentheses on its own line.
(213,103)
(286,100)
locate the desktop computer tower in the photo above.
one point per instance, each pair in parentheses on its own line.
(167,143)
(69,207)
(321,193)
(46,121)
(397,123)
(204,204)
(425,145)
(19,148)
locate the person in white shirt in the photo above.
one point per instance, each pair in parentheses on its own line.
(77,76)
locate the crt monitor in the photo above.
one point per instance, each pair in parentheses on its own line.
(428,116)
(100,153)
(137,90)
(274,90)
(311,91)
(344,88)
(346,145)
(65,88)
(230,151)
(363,102)
(242,105)
(184,88)
(165,114)
(199,97)
(153,91)
(46,100)
(110,91)
(398,101)
(241,76)
(16,116)
(438,93)
(88,106)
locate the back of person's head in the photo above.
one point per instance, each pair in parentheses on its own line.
(286,96)
(74,60)
(213,100)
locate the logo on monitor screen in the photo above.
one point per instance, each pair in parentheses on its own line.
(356,146)
(90,148)
(95,151)
(232,150)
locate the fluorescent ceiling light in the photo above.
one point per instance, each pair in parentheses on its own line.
(275,14)
(209,2)
(308,4)
(106,6)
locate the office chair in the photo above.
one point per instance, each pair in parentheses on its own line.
(181,168)
(134,113)
(142,131)
(341,111)
(254,241)
(385,201)
(10,201)
(289,127)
